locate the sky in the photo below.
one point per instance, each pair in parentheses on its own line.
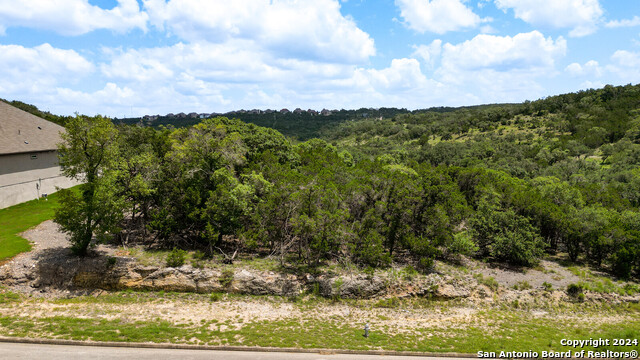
(125,58)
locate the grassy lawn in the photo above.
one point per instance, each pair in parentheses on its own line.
(18,218)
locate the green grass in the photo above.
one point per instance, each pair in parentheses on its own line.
(491,329)
(601,284)
(496,331)
(18,218)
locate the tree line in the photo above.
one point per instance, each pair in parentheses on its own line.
(508,183)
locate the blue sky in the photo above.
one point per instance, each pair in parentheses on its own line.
(134,57)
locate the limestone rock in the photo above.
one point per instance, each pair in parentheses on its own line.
(359,286)
(448,291)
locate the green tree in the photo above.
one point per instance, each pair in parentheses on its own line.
(89,154)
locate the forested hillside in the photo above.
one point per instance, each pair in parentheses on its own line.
(506,183)
(298,124)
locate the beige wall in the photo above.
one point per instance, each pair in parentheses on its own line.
(23,178)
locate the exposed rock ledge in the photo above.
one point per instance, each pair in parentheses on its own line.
(65,272)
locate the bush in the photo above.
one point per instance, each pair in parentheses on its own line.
(489,282)
(369,271)
(622,262)
(425,264)
(547,286)
(215,297)
(574,290)
(409,272)
(462,244)
(391,303)
(111,261)
(227,278)
(176,258)
(522,285)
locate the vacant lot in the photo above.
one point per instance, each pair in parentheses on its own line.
(309,322)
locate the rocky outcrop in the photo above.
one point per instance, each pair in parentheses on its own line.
(358,286)
(448,291)
(247,282)
(65,272)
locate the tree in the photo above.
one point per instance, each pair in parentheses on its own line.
(505,235)
(89,154)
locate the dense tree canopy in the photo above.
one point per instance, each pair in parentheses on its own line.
(505,182)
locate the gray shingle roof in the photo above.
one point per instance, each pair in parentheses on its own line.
(22,132)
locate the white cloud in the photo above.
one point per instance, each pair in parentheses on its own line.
(523,52)
(428,53)
(43,65)
(626,58)
(582,16)
(403,74)
(34,74)
(488,29)
(489,68)
(624,23)
(590,68)
(625,65)
(71,17)
(592,84)
(290,29)
(438,16)
(233,62)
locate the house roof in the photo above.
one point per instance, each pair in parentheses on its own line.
(22,132)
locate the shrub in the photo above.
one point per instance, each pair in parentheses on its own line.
(215,297)
(574,290)
(391,303)
(622,262)
(227,278)
(631,289)
(522,285)
(462,244)
(111,261)
(409,273)
(197,259)
(176,257)
(425,264)
(369,271)
(547,286)
(489,282)
(337,287)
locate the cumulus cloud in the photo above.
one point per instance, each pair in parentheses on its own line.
(43,65)
(233,62)
(428,53)
(71,17)
(590,68)
(438,16)
(491,68)
(624,23)
(625,65)
(526,51)
(582,16)
(294,29)
(403,74)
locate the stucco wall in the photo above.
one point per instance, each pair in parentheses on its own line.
(27,176)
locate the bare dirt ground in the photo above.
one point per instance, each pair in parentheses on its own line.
(548,271)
